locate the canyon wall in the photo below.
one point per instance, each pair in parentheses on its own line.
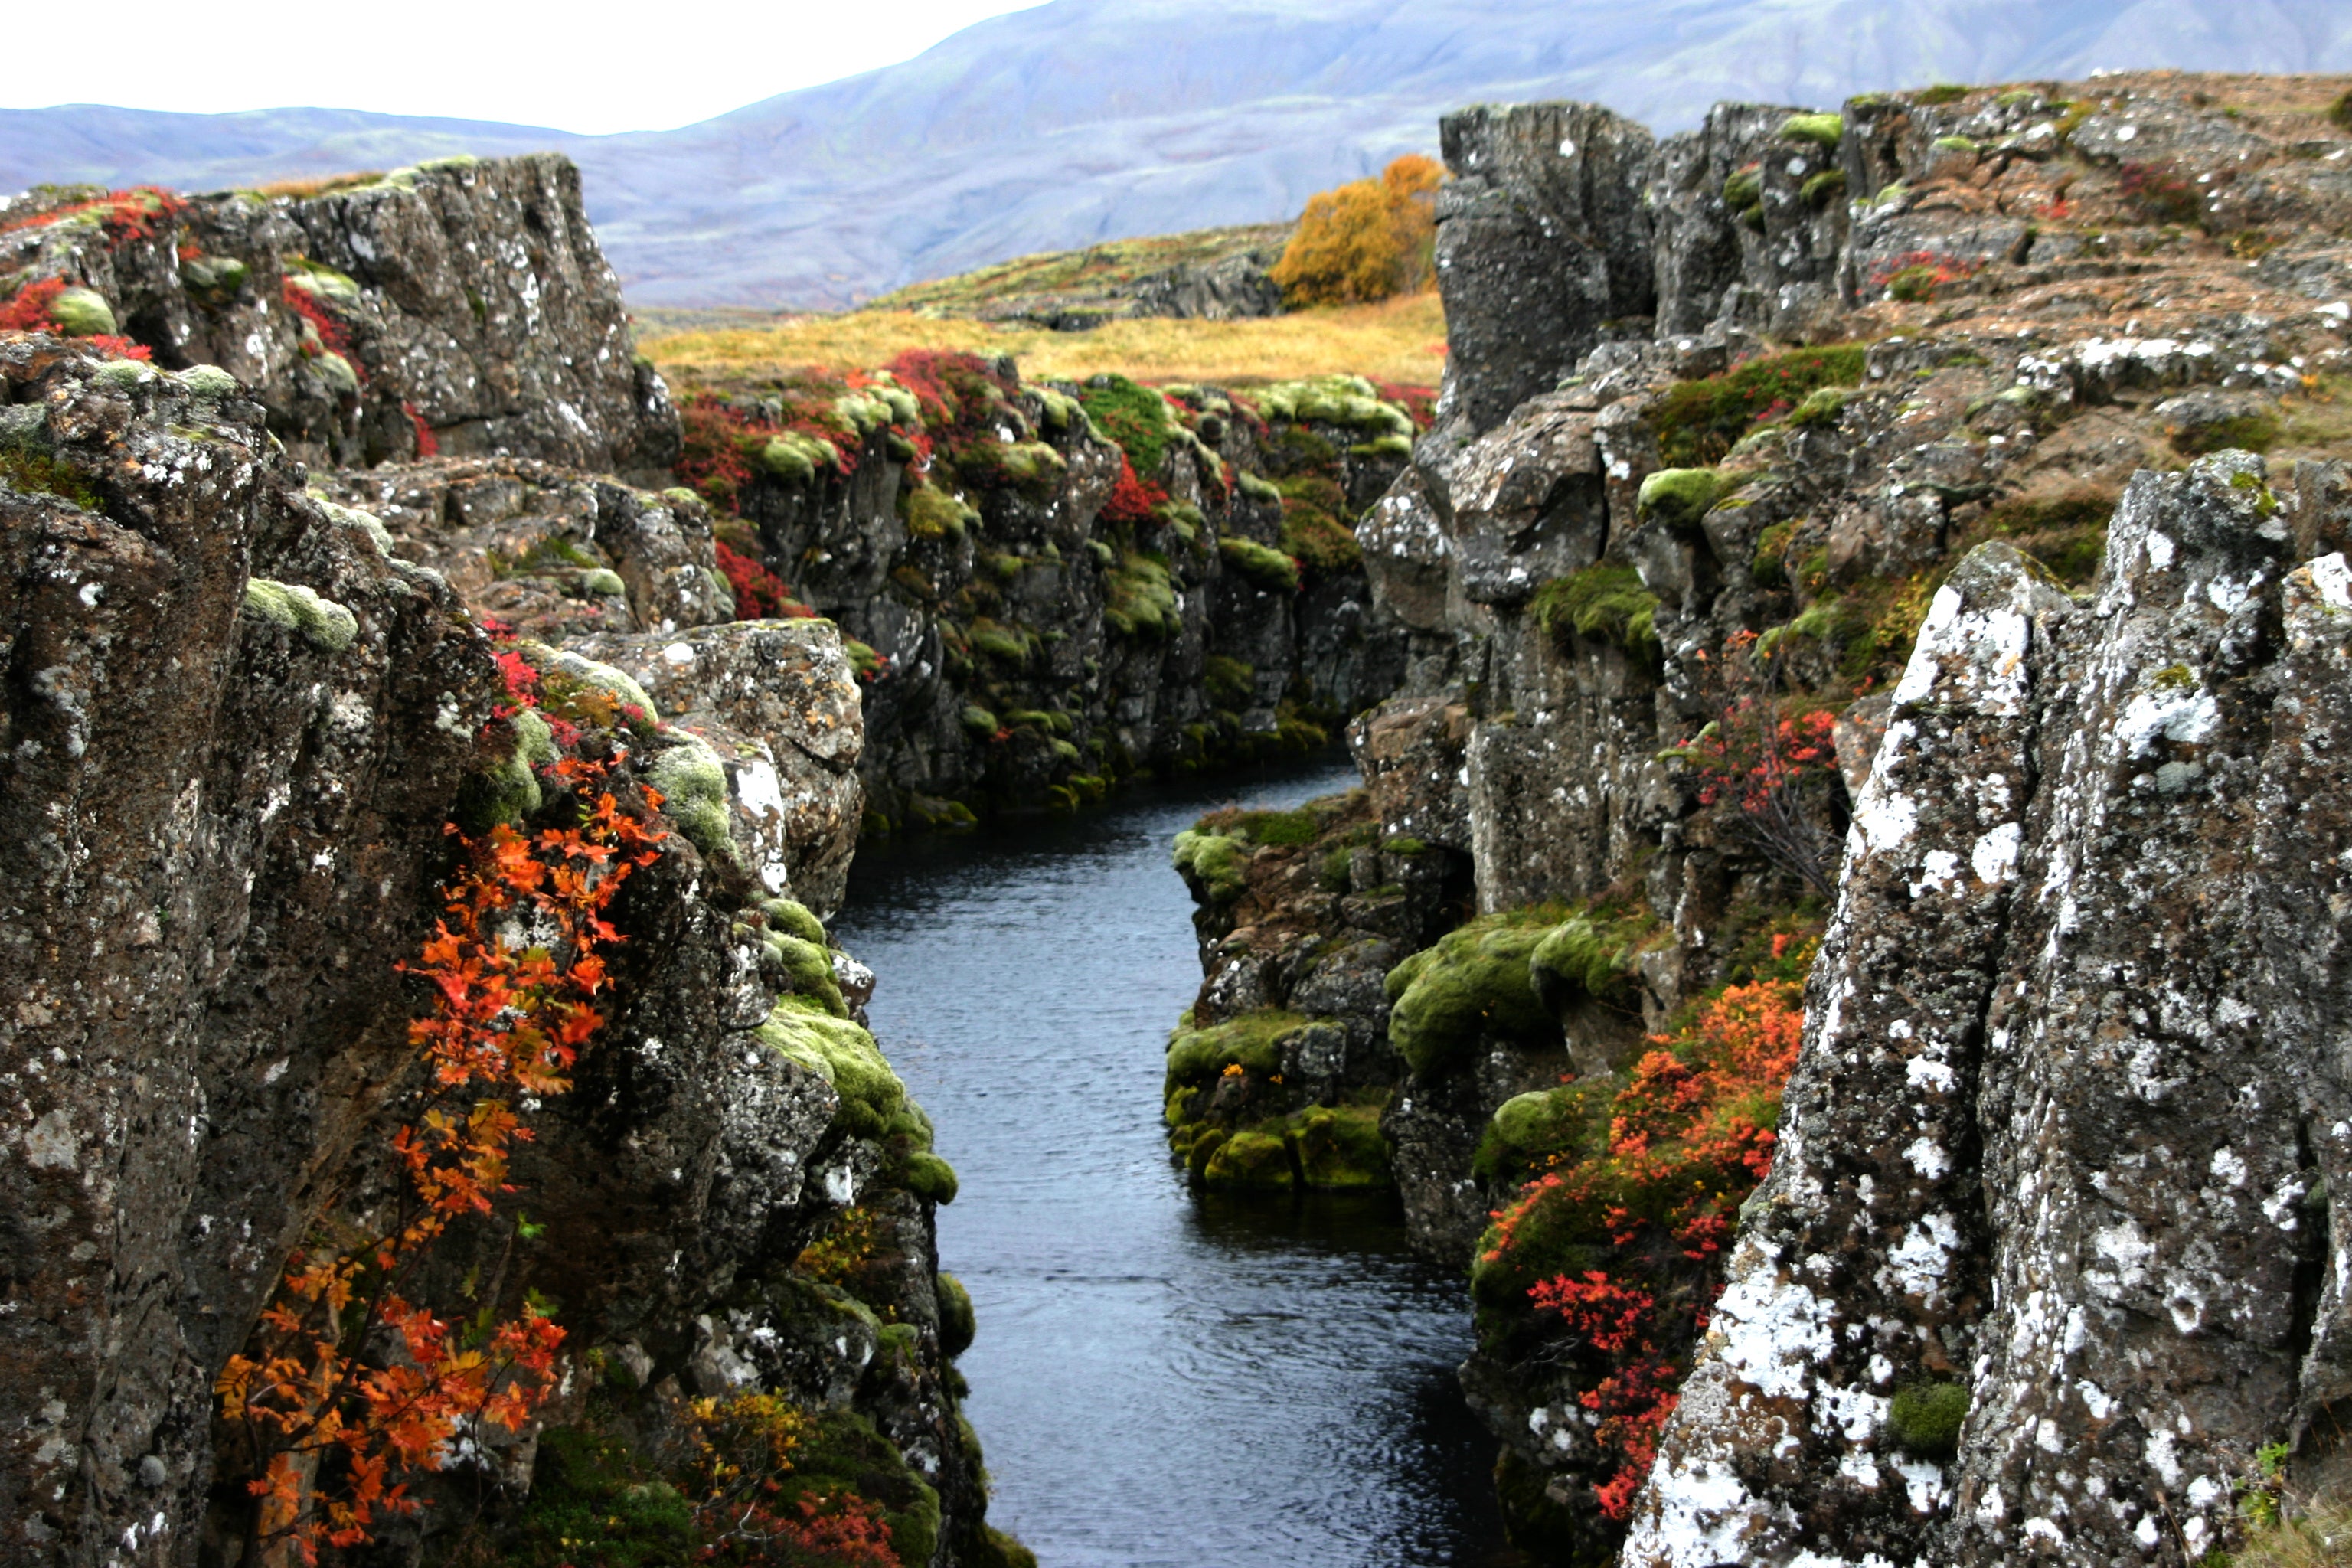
(245,718)
(1732,420)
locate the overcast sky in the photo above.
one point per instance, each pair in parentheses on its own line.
(587,68)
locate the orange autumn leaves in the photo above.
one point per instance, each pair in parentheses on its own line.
(1619,1252)
(1365,241)
(513,967)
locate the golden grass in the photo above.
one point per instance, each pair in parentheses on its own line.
(1401,341)
(317,185)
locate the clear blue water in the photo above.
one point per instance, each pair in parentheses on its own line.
(1162,1380)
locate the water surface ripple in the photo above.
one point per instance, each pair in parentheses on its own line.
(1162,1380)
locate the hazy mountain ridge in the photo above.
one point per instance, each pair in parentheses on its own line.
(1087,120)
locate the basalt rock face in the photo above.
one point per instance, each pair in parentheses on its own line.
(1906,364)
(2068,1105)
(463,304)
(239,725)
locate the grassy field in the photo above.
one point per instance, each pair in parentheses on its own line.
(1401,341)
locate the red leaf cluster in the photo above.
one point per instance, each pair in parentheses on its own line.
(334,339)
(29,312)
(1132,500)
(759,593)
(504,1022)
(124,214)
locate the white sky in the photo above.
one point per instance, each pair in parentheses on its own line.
(594,67)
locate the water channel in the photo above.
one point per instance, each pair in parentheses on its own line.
(1162,1380)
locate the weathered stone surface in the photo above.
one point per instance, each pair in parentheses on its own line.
(470,298)
(2065,1088)
(1540,239)
(222,829)
(778,703)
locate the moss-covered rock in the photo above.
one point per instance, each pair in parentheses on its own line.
(1590,954)
(1251,1042)
(1605,600)
(927,1175)
(1262,567)
(1250,1162)
(83,313)
(1926,1418)
(1340,1147)
(957,1323)
(932,513)
(1139,598)
(693,782)
(1527,1131)
(842,1054)
(1825,131)
(792,917)
(321,622)
(1680,497)
(1475,982)
(1213,861)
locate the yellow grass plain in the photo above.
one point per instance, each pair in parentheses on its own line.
(1401,341)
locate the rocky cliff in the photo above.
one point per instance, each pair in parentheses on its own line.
(461,307)
(1733,419)
(1050,589)
(397,973)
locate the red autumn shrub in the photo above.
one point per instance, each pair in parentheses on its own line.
(1132,500)
(759,593)
(332,337)
(331,1431)
(1614,1260)
(30,311)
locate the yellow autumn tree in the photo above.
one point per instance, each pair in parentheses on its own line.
(1366,240)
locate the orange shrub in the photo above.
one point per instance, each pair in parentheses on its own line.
(1365,241)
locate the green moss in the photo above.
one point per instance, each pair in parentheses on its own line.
(1215,860)
(1942,93)
(1031,467)
(1821,129)
(1569,1121)
(978,720)
(603,582)
(1007,643)
(1604,600)
(1475,982)
(1744,188)
(842,1054)
(509,793)
(1347,401)
(810,966)
(1252,1042)
(565,676)
(1250,1162)
(1699,421)
(37,473)
(796,456)
(927,1175)
(322,623)
(992,1547)
(1228,682)
(83,313)
(1822,189)
(1257,488)
(1339,1147)
(316,277)
(957,1322)
(2256,432)
(1588,955)
(1139,598)
(593,1500)
(693,782)
(932,513)
(1822,407)
(1318,542)
(792,917)
(1680,497)
(2339,114)
(1134,416)
(1926,1418)
(1287,829)
(1267,569)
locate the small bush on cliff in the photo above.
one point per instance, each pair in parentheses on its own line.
(1610,1260)
(1700,421)
(1366,240)
(1269,570)
(1926,1417)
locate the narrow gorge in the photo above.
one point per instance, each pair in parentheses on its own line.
(1832,929)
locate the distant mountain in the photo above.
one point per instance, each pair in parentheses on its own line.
(1087,120)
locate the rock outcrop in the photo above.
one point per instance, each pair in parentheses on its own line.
(1054,588)
(249,705)
(462,306)
(1731,421)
